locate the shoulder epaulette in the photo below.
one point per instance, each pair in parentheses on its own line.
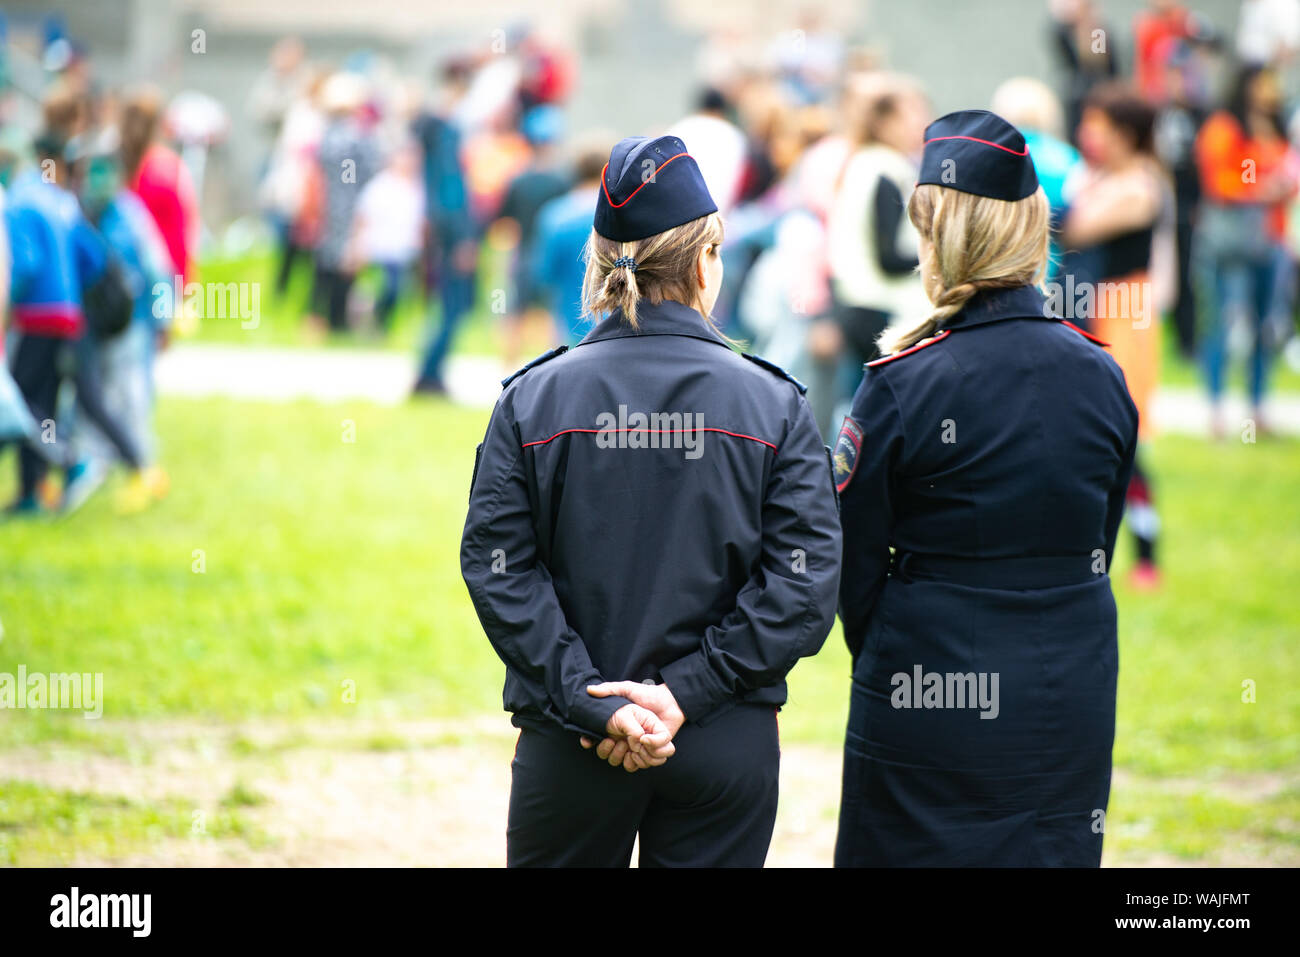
(907,352)
(545,357)
(1086,334)
(773,367)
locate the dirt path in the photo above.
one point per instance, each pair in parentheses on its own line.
(384,793)
(280,373)
(361,794)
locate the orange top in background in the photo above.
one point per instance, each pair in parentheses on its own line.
(1233,165)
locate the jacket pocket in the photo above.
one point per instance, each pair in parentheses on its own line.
(478,458)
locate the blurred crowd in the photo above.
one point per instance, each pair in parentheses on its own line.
(1171,177)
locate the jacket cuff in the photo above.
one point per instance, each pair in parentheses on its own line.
(592,714)
(697,689)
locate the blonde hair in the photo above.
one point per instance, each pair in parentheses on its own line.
(1030,104)
(973,243)
(665,268)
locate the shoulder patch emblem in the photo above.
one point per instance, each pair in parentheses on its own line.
(545,357)
(1085,333)
(844,457)
(943,334)
(773,367)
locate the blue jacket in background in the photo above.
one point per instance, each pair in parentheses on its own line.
(563,226)
(56,253)
(138,248)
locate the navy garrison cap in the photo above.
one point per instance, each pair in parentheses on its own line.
(978,152)
(649,185)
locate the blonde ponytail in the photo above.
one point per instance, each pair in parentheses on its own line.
(620,289)
(620,275)
(972,243)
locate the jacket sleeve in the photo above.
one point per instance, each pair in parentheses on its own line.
(787,607)
(888,214)
(867,505)
(512,590)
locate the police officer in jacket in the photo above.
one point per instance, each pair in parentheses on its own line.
(989,449)
(652,543)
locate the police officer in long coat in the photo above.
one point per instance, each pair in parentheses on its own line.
(652,543)
(982,473)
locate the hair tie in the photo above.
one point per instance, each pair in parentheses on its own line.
(627,261)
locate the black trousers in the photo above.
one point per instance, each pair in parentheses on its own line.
(1185,305)
(40,365)
(713,804)
(330,295)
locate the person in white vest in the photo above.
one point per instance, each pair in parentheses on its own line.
(873,247)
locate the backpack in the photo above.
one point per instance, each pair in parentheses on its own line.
(107,303)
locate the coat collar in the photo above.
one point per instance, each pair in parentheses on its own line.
(995,305)
(667,318)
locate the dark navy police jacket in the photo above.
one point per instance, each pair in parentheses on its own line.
(651,506)
(1008,436)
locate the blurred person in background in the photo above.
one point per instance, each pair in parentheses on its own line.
(278,87)
(1249,174)
(547,72)
(389,228)
(545,178)
(123,363)
(1179,118)
(1031,106)
(816,178)
(1157,28)
(16,422)
(873,248)
(719,146)
(563,228)
(291,188)
(809,58)
(453,239)
(1085,46)
(1268,32)
(771,129)
(155,173)
(58,259)
(781,277)
(347,159)
(1123,209)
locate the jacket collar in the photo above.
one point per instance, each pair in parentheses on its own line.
(667,318)
(995,305)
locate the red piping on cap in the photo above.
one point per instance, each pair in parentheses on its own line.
(605,185)
(976,139)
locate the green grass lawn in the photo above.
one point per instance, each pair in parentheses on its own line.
(279,320)
(329,565)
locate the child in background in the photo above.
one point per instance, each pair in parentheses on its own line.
(16,422)
(389,228)
(124,363)
(56,254)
